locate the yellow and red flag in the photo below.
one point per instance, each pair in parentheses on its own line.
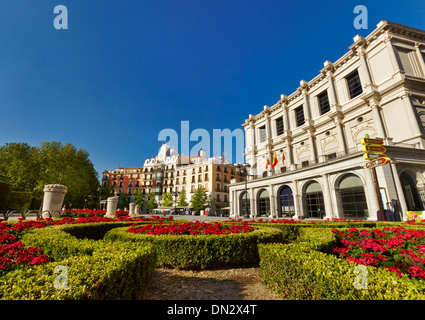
(274,163)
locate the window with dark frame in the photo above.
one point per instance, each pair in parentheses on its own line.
(279,126)
(324,102)
(354,84)
(299,116)
(262,133)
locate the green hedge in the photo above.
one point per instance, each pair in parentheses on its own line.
(203,251)
(293,231)
(4,195)
(19,200)
(96,269)
(299,271)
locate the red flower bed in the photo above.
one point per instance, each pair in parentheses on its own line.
(397,249)
(14,255)
(90,213)
(191,228)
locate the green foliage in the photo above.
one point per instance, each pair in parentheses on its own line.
(300,270)
(123,201)
(167,200)
(4,194)
(182,202)
(202,251)
(152,204)
(28,168)
(139,198)
(200,199)
(96,269)
(19,200)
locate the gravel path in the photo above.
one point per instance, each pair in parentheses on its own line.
(221,284)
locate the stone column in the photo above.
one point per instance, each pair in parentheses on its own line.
(111,207)
(253,204)
(272,197)
(399,189)
(329,212)
(377,119)
(131,213)
(53,200)
(137,209)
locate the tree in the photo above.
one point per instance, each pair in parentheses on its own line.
(106,191)
(139,198)
(167,200)
(123,201)
(29,168)
(152,204)
(20,166)
(200,199)
(182,202)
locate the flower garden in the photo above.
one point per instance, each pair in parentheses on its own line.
(116,258)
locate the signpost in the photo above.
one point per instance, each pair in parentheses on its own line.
(375,151)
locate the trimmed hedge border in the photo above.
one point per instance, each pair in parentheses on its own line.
(96,269)
(203,251)
(301,271)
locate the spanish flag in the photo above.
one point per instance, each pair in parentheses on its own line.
(274,160)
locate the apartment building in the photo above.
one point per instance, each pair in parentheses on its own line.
(376,88)
(172,172)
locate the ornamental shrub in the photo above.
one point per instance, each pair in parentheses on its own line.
(113,271)
(96,269)
(19,200)
(299,270)
(4,194)
(202,251)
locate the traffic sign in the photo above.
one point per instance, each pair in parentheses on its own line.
(373,149)
(376,163)
(366,141)
(373,156)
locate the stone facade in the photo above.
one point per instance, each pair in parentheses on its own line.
(376,88)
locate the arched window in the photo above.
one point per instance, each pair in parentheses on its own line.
(313,197)
(244,205)
(415,197)
(352,197)
(286,206)
(263,203)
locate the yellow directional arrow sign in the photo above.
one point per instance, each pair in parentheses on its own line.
(373,149)
(373,156)
(376,163)
(367,141)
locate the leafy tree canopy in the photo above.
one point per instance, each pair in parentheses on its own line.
(29,168)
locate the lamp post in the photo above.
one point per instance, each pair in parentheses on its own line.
(244,172)
(176,193)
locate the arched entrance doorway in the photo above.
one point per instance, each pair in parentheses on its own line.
(285,207)
(414,194)
(313,197)
(352,197)
(244,205)
(263,203)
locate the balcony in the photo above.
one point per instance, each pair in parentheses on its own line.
(323,159)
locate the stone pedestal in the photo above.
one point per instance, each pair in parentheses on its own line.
(132,212)
(137,210)
(111,207)
(53,200)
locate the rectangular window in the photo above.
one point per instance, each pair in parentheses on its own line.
(408,61)
(324,102)
(299,116)
(279,126)
(354,84)
(262,133)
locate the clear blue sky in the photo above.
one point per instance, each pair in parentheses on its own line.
(126,69)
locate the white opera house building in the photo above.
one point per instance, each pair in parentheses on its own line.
(376,88)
